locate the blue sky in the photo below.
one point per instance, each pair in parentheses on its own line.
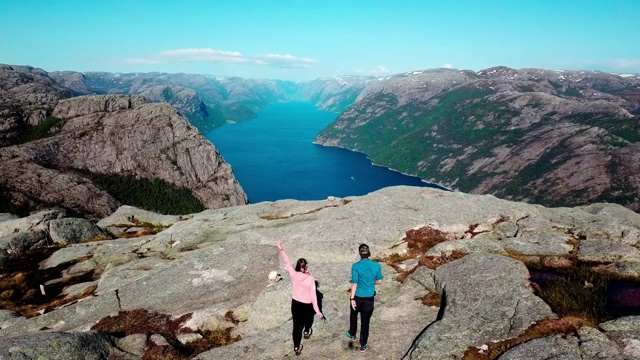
(304,40)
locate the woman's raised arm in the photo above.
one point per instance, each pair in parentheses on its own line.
(287,263)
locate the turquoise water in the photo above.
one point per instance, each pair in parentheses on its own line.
(273,158)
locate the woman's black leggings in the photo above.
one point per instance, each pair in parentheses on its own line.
(302,319)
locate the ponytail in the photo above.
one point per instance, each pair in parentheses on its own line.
(301,265)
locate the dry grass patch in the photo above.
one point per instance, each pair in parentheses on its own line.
(98,238)
(433,262)
(147,229)
(431,299)
(141,321)
(564,326)
(230,316)
(213,339)
(576,291)
(419,242)
(471,231)
(22,278)
(394,260)
(159,352)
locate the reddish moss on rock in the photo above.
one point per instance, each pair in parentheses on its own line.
(431,299)
(433,262)
(142,321)
(564,326)
(213,339)
(419,241)
(21,280)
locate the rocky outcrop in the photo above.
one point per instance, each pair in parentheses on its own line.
(552,347)
(27,97)
(27,186)
(211,271)
(114,134)
(58,346)
(86,105)
(74,231)
(486,297)
(549,137)
(129,219)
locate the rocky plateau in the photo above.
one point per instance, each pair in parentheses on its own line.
(138,294)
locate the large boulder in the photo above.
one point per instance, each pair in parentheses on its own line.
(7,217)
(57,346)
(15,244)
(484,297)
(550,347)
(74,231)
(131,219)
(37,220)
(595,345)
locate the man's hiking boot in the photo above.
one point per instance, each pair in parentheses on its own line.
(351,337)
(364,347)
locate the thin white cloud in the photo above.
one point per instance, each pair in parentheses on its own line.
(377,71)
(207,55)
(447,66)
(606,64)
(286,60)
(626,64)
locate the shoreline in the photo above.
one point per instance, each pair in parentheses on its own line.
(437,186)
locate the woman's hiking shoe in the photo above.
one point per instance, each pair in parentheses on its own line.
(364,347)
(351,337)
(298,350)
(308,334)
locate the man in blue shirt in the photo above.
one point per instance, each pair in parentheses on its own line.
(365,274)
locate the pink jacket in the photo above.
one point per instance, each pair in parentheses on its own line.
(304,285)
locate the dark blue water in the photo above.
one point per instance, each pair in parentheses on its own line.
(273,158)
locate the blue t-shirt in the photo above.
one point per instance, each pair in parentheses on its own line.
(364,273)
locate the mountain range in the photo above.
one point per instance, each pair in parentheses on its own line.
(467,276)
(558,138)
(211,101)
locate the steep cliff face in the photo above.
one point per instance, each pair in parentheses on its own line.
(550,137)
(244,98)
(334,94)
(73,80)
(116,134)
(184,99)
(207,101)
(211,101)
(27,97)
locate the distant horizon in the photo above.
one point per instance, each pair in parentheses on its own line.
(306,40)
(319,78)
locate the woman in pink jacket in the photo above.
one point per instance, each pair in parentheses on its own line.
(304,303)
